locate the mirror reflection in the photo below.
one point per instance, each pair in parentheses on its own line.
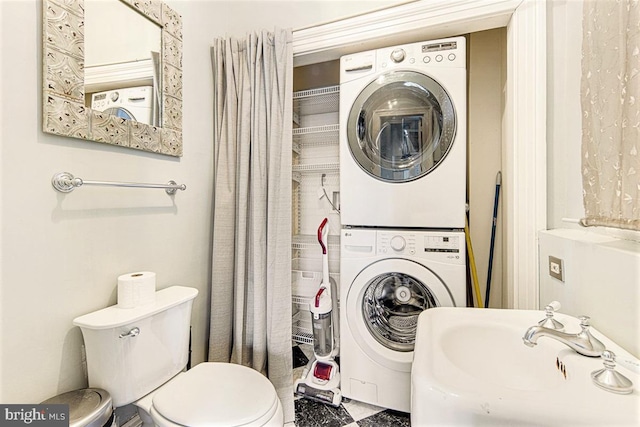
(77,91)
(122,61)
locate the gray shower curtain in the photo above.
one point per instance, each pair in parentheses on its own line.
(251,266)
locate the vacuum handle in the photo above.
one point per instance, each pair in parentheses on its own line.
(320,235)
(318,295)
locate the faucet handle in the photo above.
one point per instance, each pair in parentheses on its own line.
(549,322)
(594,343)
(608,378)
(553,306)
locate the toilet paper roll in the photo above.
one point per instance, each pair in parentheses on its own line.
(136,289)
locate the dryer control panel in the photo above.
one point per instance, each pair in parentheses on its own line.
(436,53)
(425,56)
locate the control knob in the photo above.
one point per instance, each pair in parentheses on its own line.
(398,243)
(398,55)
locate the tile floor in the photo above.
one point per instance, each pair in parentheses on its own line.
(350,413)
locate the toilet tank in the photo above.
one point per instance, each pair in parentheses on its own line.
(127,364)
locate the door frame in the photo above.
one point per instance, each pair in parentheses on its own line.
(524,165)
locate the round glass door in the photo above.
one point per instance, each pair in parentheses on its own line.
(391,304)
(382,305)
(123,113)
(401,126)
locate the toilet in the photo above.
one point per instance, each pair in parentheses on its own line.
(139,356)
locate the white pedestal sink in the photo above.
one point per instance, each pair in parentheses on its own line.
(471,367)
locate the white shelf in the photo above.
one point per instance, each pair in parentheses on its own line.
(301,301)
(316,130)
(315,137)
(301,331)
(317,101)
(316,93)
(316,168)
(308,241)
(306,277)
(314,264)
(300,172)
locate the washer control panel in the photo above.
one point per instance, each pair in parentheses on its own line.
(437,245)
(449,244)
(396,243)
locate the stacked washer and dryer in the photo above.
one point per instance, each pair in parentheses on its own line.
(403,199)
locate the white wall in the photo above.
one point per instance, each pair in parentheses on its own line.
(61,254)
(601,280)
(564,126)
(236,17)
(487,77)
(110,28)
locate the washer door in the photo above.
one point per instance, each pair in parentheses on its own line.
(383,304)
(401,126)
(121,112)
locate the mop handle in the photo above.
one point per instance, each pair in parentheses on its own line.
(320,236)
(493,238)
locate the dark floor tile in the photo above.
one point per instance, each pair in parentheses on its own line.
(386,418)
(299,358)
(315,414)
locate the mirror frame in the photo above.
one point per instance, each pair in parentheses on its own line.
(63,91)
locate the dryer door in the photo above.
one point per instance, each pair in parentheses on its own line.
(401,126)
(383,304)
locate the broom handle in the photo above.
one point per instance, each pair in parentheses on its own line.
(493,238)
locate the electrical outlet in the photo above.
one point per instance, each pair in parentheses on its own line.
(556,268)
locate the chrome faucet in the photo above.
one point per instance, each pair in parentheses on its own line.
(582,342)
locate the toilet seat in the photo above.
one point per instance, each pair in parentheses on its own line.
(216,394)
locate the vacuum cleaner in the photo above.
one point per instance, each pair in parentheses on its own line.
(320,379)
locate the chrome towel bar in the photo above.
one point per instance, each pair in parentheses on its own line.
(66,182)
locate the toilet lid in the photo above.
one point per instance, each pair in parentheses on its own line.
(216,394)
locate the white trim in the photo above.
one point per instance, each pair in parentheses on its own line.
(524,142)
(103,77)
(524,151)
(420,20)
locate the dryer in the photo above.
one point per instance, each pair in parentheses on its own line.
(387,278)
(133,103)
(403,136)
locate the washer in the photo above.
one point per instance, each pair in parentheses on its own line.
(133,103)
(387,278)
(403,136)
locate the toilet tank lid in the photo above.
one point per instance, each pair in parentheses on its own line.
(113,316)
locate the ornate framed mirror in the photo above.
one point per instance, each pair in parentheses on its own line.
(71,109)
